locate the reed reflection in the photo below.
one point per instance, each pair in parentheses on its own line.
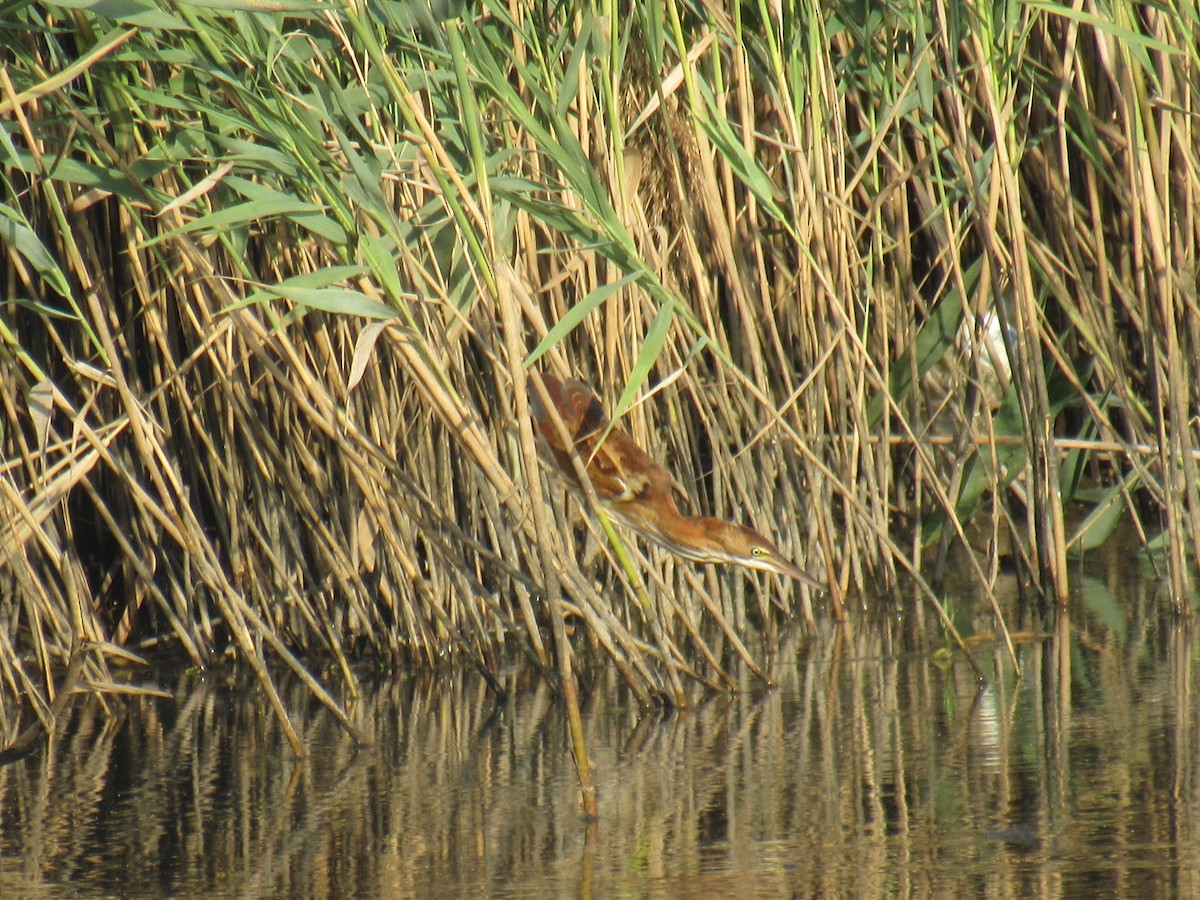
(872,768)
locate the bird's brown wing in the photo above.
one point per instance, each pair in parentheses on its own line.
(582,416)
(580,410)
(621,471)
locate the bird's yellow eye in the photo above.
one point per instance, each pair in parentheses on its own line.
(759,552)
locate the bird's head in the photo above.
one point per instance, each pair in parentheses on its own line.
(728,542)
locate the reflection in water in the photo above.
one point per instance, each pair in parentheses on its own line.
(868,771)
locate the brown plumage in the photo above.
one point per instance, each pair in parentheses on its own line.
(638,491)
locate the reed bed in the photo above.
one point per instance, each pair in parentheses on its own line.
(275,273)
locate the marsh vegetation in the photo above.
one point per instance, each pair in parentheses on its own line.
(880,280)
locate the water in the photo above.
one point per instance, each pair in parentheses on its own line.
(873,768)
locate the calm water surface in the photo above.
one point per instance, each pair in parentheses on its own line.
(874,768)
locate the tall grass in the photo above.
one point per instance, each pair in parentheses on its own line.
(892,278)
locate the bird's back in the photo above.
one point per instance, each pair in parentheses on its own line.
(620,470)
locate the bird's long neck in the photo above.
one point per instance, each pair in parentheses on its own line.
(690,536)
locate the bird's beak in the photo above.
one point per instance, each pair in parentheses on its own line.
(783,567)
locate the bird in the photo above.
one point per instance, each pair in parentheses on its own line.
(639,492)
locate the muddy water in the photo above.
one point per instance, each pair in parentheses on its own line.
(874,767)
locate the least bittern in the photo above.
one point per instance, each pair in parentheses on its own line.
(639,492)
